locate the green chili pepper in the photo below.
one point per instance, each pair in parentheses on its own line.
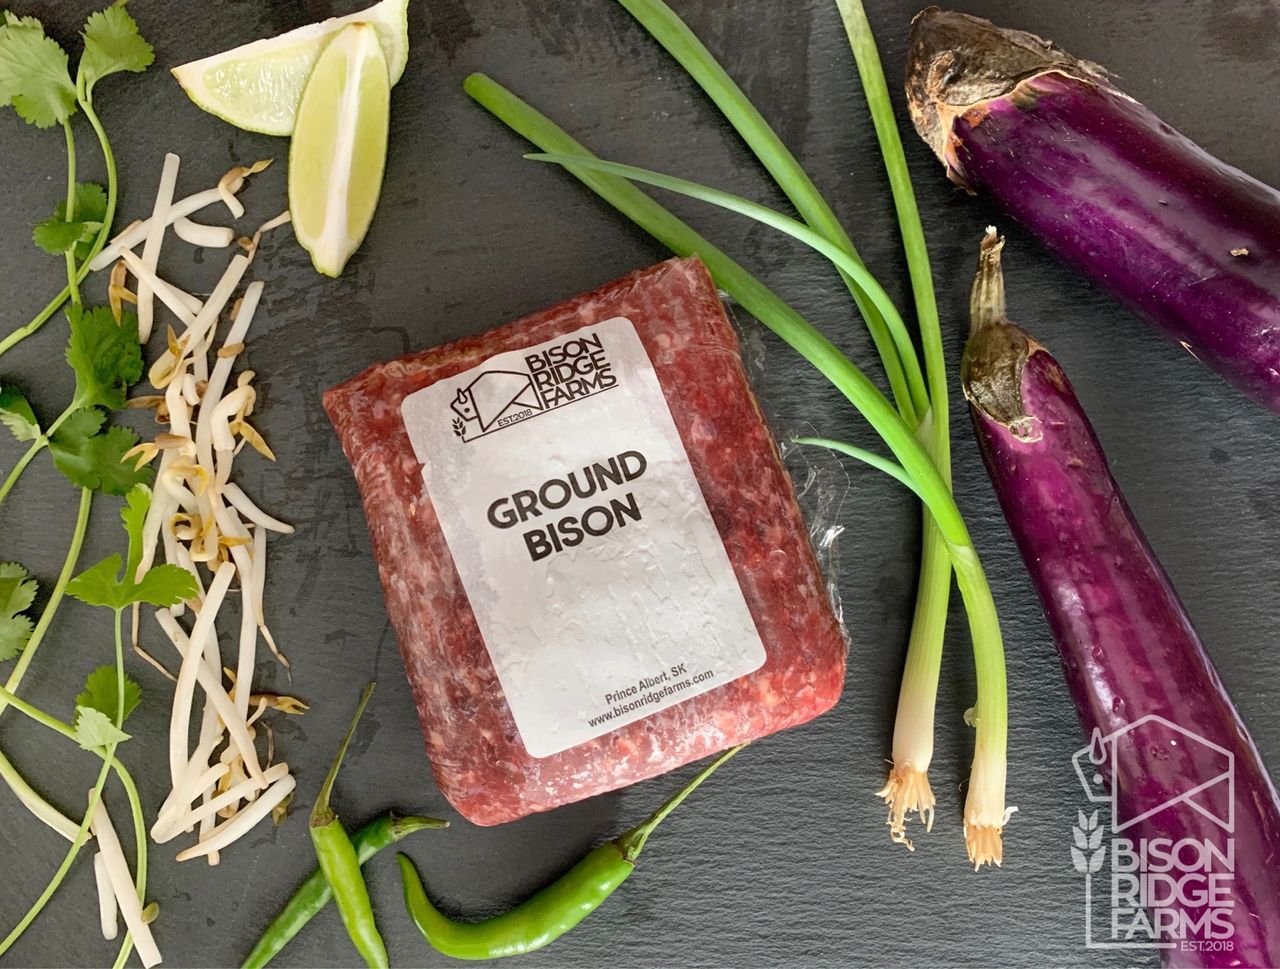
(314,893)
(341,865)
(550,913)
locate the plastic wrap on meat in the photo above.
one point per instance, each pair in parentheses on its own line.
(476,751)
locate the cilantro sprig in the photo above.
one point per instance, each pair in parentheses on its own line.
(37,82)
(104,585)
(107,360)
(109,696)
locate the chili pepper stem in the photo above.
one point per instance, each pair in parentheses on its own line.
(549,914)
(321,813)
(632,843)
(340,862)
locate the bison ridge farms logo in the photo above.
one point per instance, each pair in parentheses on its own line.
(569,371)
(1153,892)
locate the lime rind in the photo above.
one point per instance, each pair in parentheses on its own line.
(259,85)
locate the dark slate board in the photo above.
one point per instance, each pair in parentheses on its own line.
(784,859)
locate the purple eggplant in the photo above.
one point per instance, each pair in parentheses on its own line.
(1161,723)
(1190,243)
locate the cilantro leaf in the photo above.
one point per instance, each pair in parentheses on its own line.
(90,208)
(91,203)
(134,516)
(11,19)
(15,632)
(97,585)
(105,355)
(96,460)
(34,76)
(94,731)
(17,591)
(55,236)
(17,588)
(163,586)
(111,44)
(17,415)
(100,693)
(84,422)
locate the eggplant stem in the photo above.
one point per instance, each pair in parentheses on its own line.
(986,301)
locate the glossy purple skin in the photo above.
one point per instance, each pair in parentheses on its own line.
(1143,211)
(1128,649)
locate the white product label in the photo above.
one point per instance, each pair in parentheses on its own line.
(596,574)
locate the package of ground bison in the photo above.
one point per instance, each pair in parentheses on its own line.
(592,555)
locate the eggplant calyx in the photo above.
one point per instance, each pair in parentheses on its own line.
(997,350)
(956,62)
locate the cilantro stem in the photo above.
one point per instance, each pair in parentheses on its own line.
(55,597)
(28,456)
(73,286)
(126,780)
(109,160)
(82,835)
(104,233)
(36,714)
(41,318)
(109,763)
(135,804)
(38,445)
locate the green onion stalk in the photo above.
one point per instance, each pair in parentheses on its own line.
(611,183)
(908,790)
(923,404)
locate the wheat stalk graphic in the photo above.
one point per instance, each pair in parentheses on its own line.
(1087,834)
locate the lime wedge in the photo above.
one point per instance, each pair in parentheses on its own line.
(339,147)
(258,86)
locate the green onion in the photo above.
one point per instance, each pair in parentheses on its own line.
(805,339)
(860,280)
(907,790)
(869,458)
(903,370)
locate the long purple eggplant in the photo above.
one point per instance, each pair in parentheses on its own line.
(1128,649)
(1190,243)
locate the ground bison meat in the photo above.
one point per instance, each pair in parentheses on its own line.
(476,750)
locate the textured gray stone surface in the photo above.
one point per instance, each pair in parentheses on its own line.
(783,859)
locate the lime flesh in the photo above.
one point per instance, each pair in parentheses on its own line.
(339,147)
(259,86)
